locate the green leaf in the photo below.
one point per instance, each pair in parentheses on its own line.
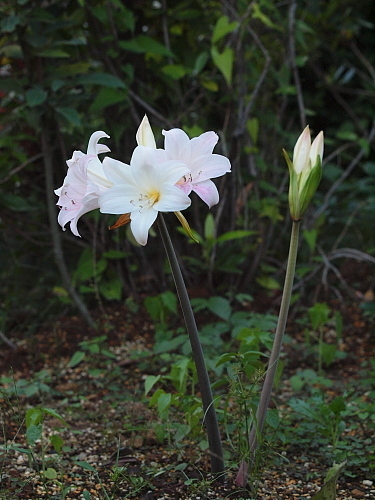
(50,473)
(222,28)
(234,235)
(85,465)
(258,14)
(268,283)
(33,416)
(224,62)
(145,45)
(54,414)
(36,96)
(319,314)
(77,357)
(57,443)
(103,79)
(200,63)
(53,53)
(310,236)
(107,97)
(175,71)
(164,401)
(70,114)
(220,306)
(111,289)
(209,227)
(33,433)
(150,382)
(9,23)
(252,127)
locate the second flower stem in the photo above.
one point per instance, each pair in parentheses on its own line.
(242,476)
(213,433)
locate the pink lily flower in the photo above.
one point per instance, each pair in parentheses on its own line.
(85,181)
(197,154)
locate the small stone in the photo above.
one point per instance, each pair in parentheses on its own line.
(367,482)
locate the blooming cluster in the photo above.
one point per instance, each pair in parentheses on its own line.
(156,180)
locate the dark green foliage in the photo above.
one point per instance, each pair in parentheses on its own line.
(255,73)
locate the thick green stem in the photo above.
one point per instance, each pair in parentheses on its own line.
(213,433)
(265,396)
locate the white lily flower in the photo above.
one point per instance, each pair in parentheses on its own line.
(142,189)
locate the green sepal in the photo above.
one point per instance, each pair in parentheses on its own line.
(310,186)
(293,195)
(185,225)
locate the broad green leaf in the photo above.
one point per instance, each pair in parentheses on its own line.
(103,79)
(70,114)
(210,85)
(33,416)
(268,283)
(53,413)
(145,45)
(111,290)
(220,306)
(200,62)
(222,28)
(85,465)
(164,401)
(57,443)
(53,53)
(50,473)
(224,62)
(234,235)
(72,69)
(9,23)
(107,97)
(77,357)
(150,382)
(35,96)
(319,314)
(175,71)
(33,433)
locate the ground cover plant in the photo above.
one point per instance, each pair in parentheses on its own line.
(113,64)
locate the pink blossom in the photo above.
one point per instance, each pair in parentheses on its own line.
(197,154)
(85,181)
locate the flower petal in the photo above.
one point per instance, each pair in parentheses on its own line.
(144,135)
(301,151)
(177,145)
(93,147)
(141,223)
(119,199)
(204,144)
(172,199)
(209,166)
(208,192)
(117,172)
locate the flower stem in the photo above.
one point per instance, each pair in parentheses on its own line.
(213,433)
(242,476)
